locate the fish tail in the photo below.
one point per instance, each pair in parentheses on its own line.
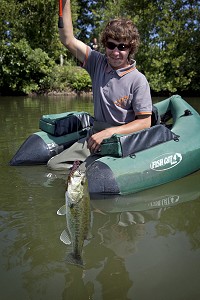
(74,260)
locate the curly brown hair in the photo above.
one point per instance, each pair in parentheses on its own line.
(122,30)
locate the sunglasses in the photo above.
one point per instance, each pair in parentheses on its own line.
(120,47)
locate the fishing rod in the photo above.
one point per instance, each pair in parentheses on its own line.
(60,20)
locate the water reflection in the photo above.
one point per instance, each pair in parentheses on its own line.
(170,194)
(144,245)
(156,205)
(20,117)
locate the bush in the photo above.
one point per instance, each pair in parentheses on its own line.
(23,70)
(79,79)
(68,78)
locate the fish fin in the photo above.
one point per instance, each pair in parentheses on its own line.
(64,237)
(62,210)
(68,200)
(77,261)
(99,211)
(89,235)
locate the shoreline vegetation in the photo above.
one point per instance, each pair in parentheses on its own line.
(90,94)
(69,80)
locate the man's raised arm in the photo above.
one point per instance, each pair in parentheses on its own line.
(76,47)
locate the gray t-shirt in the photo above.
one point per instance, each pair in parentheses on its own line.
(118,95)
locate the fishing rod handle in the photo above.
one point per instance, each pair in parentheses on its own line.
(60,19)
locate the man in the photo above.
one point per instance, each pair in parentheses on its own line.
(121,94)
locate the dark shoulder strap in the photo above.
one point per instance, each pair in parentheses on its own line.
(155,118)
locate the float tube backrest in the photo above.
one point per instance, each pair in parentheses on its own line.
(124,145)
(65,123)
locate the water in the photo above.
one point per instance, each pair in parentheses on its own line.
(144,246)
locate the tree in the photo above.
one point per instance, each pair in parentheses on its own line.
(169,29)
(170,35)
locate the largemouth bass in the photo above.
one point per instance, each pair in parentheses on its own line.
(78,214)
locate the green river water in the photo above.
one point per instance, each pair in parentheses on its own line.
(144,246)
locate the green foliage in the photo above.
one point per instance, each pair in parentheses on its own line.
(80,80)
(23,69)
(57,81)
(30,46)
(170,35)
(67,78)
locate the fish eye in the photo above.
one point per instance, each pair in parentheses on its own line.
(82,183)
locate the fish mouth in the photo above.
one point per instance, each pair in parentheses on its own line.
(101,179)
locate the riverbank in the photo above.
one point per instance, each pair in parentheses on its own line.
(72,93)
